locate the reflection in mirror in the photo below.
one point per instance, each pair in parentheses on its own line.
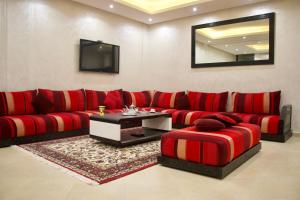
(245,42)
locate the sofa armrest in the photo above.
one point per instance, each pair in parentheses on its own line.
(286,119)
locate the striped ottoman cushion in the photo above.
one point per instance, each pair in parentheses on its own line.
(216,148)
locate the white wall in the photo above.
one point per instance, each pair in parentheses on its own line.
(208,54)
(168,58)
(42,38)
(43,45)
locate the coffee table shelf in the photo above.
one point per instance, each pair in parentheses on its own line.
(115,129)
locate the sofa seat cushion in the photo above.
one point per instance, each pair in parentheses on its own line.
(65,101)
(216,148)
(17,103)
(269,124)
(188,117)
(30,125)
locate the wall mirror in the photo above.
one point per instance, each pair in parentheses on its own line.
(234,42)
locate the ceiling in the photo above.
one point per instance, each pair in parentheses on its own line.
(155,11)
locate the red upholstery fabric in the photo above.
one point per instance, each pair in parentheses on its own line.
(182,103)
(30,125)
(208,124)
(210,148)
(65,101)
(41,104)
(233,116)
(256,103)
(94,99)
(269,124)
(212,102)
(222,118)
(114,99)
(187,117)
(138,99)
(17,103)
(165,99)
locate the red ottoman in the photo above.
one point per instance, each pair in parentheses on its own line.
(215,153)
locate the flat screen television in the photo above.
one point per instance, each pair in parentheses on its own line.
(97,56)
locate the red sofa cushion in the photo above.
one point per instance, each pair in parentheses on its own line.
(17,103)
(233,116)
(215,148)
(94,99)
(212,102)
(138,99)
(65,101)
(256,103)
(31,125)
(269,124)
(114,100)
(165,99)
(208,125)
(97,98)
(42,104)
(222,118)
(182,103)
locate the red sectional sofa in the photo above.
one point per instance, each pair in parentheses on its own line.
(34,115)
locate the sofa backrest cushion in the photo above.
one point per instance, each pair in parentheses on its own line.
(42,104)
(114,99)
(17,103)
(165,99)
(212,102)
(256,103)
(65,101)
(138,99)
(94,99)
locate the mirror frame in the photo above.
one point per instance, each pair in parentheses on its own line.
(270,16)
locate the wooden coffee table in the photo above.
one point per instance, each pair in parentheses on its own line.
(120,130)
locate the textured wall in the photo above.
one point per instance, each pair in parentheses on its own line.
(3,43)
(43,45)
(43,37)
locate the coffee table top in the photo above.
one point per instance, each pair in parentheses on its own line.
(116,118)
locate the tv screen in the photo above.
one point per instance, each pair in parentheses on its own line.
(98,56)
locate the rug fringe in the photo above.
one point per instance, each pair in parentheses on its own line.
(59,167)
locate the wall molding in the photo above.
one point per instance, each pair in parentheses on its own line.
(3,44)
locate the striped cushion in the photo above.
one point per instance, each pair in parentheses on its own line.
(17,103)
(94,99)
(256,103)
(138,99)
(30,125)
(212,102)
(269,124)
(187,117)
(165,99)
(65,101)
(216,148)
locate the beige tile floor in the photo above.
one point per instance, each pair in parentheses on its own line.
(274,173)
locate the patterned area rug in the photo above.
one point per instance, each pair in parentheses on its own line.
(94,160)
